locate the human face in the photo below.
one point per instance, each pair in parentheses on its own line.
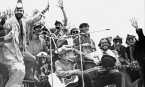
(75,32)
(58,26)
(104,44)
(85,29)
(19,13)
(43,60)
(130,41)
(117,43)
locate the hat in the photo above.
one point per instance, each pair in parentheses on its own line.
(39,24)
(64,51)
(42,54)
(117,38)
(130,36)
(108,61)
(19,4)
(57,22)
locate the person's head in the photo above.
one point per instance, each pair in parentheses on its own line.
(117,41)
(44,31)
(43,57)
(36,32)
(65,55)
(74,31)
(84,27)
(130,39)
(19,11)
(104,44)
(37,27)
(58,24)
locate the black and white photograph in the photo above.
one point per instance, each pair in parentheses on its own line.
(72,43)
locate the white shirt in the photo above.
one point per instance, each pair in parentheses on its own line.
(97,55)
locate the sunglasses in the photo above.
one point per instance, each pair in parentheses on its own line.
(129,39)
(19,10)
(117,41)
(75,32)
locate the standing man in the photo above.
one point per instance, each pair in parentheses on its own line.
(87,44)
(136,48)
(13,50)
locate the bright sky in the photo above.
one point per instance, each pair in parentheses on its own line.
(99,14)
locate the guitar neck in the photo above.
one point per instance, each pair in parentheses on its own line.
(108,68)
(118,67)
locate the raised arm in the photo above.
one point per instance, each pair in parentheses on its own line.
(9,35)
(60,2)
(38,17)
(138,30)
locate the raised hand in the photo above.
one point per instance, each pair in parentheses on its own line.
(60,3)
(47,6)
(134,22)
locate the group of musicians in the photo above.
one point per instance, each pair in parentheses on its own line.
(32,51)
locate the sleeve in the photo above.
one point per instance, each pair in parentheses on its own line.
(140,34)
(60,72)
(7,26)
(10,31)
(117,60)
(34,19)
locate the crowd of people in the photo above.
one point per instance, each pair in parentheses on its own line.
(32,51)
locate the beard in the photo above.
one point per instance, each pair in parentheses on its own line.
(105,47)
(19,16)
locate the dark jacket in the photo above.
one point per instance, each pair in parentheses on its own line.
(139,51)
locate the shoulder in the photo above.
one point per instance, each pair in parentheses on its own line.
(114,51)
(58,63)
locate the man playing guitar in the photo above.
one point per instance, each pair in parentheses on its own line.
(114,77)
(65,68)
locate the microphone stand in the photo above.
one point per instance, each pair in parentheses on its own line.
(86,33)
(82,75)
(51,59)
(51,39)
(80,46)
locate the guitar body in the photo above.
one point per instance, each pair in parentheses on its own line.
(89,67)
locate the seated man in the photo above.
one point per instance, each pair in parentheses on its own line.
(114,77)
(65,67)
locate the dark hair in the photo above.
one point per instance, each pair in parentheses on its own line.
(117,39)
(130,38)
(71,32)
(57,22)
(103,39)
(84,25)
